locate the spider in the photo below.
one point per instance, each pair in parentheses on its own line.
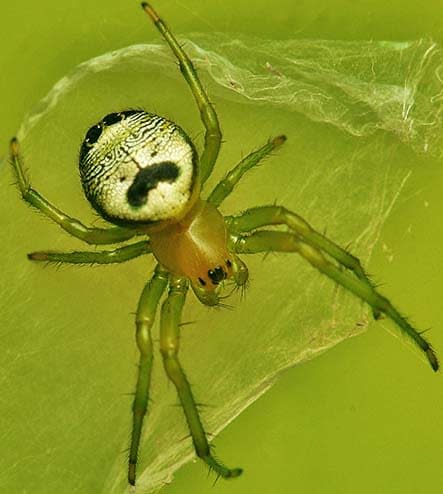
(142,173)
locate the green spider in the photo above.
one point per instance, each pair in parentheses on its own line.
(142,173)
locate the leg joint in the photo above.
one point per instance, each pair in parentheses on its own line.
(143,336)
(169,351)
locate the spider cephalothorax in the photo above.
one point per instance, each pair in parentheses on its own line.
(141,172)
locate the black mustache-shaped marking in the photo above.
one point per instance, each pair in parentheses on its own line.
(147,179)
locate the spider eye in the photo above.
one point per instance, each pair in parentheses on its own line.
(157,159)
(217,275)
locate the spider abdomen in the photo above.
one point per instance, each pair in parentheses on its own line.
(195,247)
(139,168)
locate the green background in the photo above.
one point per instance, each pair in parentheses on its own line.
(367,415)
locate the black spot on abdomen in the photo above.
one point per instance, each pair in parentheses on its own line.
(147,179)
(91,138)
(112,118)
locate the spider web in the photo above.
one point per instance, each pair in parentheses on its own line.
(359,117)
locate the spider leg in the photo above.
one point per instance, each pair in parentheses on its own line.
(265,241)
(70,225)
(121,254)
(257,217)
(147,307)
(169,345)
(227,184)
(207,113)
(240,272)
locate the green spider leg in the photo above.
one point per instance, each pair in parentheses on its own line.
(169,345)
(275,241)
(121,254)
(224,188)
(71,225)
(276,215)
(257,217)
(207,113)
(144,320)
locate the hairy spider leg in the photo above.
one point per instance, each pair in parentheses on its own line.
(207,113)
(274,241)
(240,272)
(121,254)
(144,320)
(276,215)
(169,345)
(71,225)
(261,216)
(224,188)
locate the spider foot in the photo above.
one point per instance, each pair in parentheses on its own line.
(220,469)
(279,140)
(131,474)
(14,147)
(150,11)
(38,256)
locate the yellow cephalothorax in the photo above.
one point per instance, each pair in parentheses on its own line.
(197,247)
